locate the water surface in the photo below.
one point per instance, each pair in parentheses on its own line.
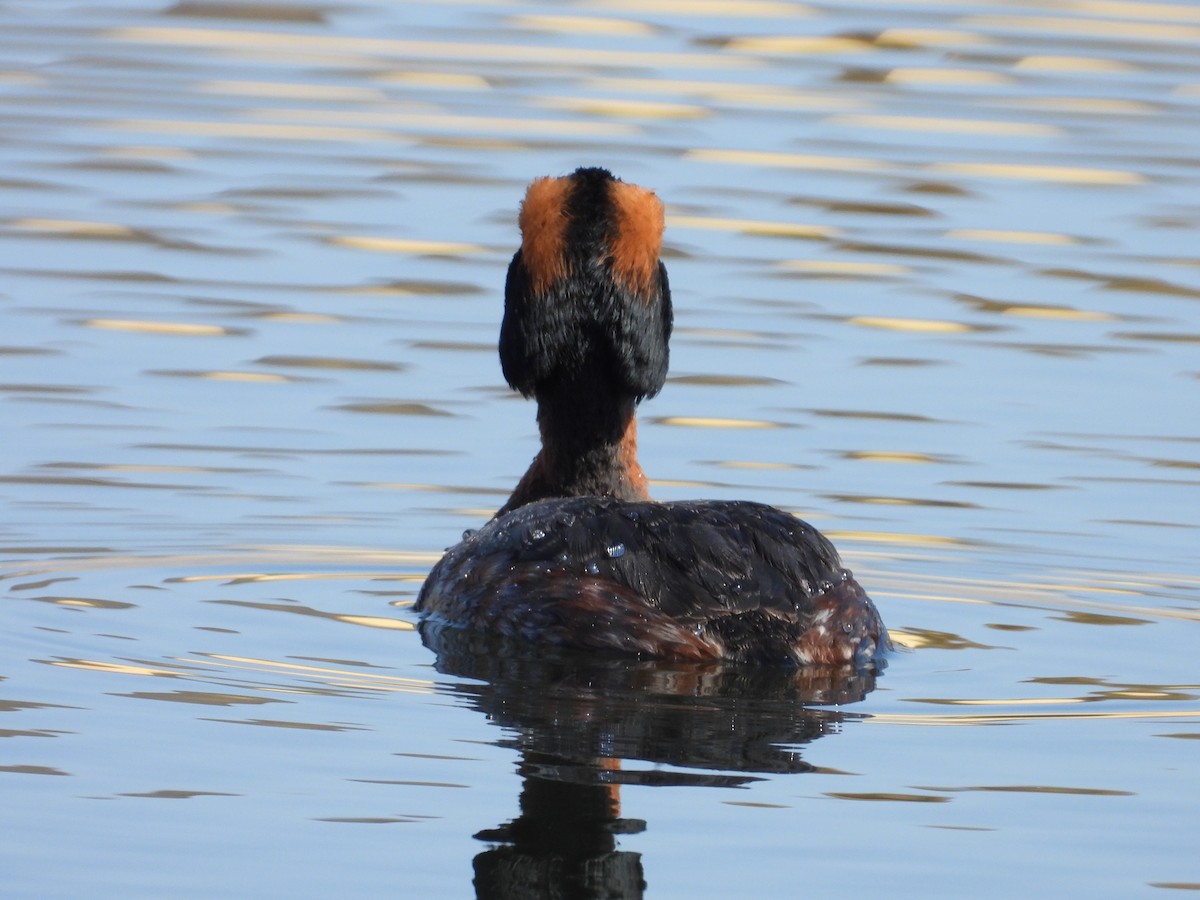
(936,288)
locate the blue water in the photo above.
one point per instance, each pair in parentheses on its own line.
(936,290)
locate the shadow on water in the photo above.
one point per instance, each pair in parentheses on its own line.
(577,719)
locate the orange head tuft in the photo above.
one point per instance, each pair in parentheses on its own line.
(590,216)
(543,220)
(636,238)
(586,295)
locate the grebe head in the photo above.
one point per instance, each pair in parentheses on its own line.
(586,293)
(587,318)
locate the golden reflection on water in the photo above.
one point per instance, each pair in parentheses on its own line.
(1001,718)
(83,559)
(1122,29)
(777,159)
(745,94)
(1032,172)
(953,126)
(189,329)
(750,226)
(891,323)
(340,677)
(1007,236)
(844,268)
(912,75)
(205,665)
(256,377)
(360,49)
(399,245)
(893,456)
(713,422)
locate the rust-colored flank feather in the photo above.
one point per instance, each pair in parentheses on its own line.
(543,220)
(638,239)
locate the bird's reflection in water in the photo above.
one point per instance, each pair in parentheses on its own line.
(577,719)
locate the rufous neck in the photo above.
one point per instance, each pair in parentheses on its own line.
(589,449)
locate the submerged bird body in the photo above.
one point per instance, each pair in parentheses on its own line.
(579,556)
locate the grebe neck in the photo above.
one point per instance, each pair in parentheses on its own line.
(589,449)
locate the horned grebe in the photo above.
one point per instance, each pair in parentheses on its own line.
(580,556)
